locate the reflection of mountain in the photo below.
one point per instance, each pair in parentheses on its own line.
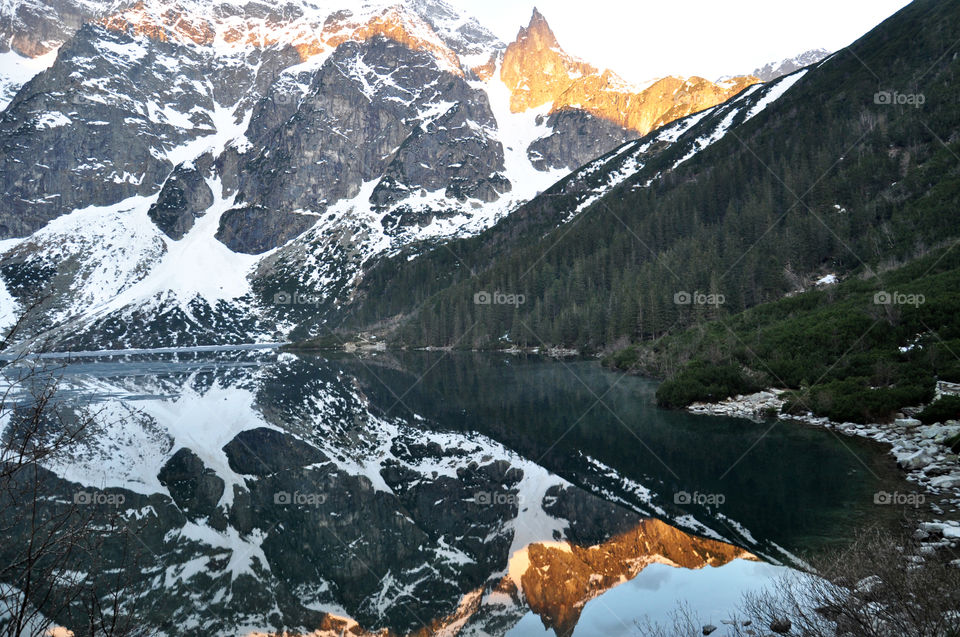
(558,579)
(278,497)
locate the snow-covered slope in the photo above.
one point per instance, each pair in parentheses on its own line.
(678,141)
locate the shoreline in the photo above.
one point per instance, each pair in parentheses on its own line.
(918,449)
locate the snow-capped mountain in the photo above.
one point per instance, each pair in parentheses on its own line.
(182,172)
(772,70)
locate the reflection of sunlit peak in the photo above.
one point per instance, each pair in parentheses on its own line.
(556,579)
(520,561)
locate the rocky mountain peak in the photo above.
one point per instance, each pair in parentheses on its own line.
(538,72)
(536,69)
(538,24)
(773,70)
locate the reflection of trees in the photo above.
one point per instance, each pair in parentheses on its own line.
(793,486)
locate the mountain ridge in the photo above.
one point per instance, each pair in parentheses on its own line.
(714,212)
(539,72)
(772,70)
(197,136)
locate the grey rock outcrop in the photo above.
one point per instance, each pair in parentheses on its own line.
(100,124)
(184,197)
(577,138)
(257,229)
(375,109)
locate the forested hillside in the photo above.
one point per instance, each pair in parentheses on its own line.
(855,351)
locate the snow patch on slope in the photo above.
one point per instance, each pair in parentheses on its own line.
(517,131)
(776,90)
(16,70)
(226,130)
(198,265)
(112,245)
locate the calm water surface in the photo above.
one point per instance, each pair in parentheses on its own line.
(421,492)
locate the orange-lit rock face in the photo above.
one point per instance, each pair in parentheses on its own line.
(560,579)
(535,68)
(393,25)
(307,38)
(666,100)
(538,72)
(170,25)
(485,71)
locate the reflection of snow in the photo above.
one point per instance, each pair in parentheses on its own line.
(711,593)
(134,439)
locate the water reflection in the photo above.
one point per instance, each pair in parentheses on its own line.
(423,494)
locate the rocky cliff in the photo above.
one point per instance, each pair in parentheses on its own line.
(539,72)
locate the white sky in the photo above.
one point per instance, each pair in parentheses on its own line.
(644,39)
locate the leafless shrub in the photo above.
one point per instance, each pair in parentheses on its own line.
(52,564)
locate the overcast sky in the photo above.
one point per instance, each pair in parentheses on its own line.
(643,39)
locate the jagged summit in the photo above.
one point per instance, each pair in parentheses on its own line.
(536,69)
(537,19)
(539,72)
